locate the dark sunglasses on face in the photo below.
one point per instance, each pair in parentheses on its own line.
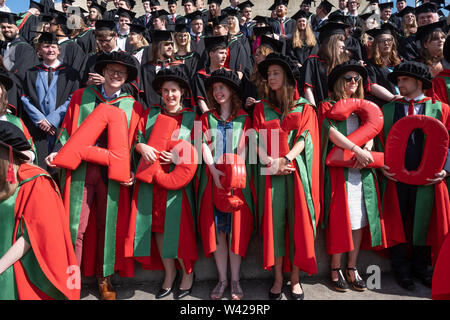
(350,78)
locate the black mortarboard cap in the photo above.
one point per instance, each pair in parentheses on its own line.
(171,1)
(405,11)
(386,28)
(245,4)
(131,3)
(181,27)
(231,12)
(160,13)
(330,29)
(47,37)
(183,2)
(425,8)
(439,3)
(37,5)
(46,17)
(366,16)
(154,3)
(195,15)
(326,5)
(10,18)
(219,20)
(68,1)
(215,41)
(121,12)
(161,35)
(272,43)
(385,5)
(137,28)
(258,31)
(300,14)
(105,25)
(219,2)
(261,19)
(427,29)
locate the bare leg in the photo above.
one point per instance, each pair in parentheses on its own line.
(278,276)
(295,280)
(169,264)
(353,255)
(187,279)
(335,263)
(221,256)
(235,265)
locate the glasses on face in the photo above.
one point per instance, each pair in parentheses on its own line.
(350,78)
(115,73)
(388,41)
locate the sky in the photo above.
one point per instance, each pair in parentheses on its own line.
(22,5)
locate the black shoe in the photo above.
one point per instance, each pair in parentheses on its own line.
(358,284)
(183,293)
(298,296)
(274,296)
(340,284)
(406,283)
(426,278)
(165,292)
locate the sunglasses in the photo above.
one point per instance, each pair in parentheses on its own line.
(350,78)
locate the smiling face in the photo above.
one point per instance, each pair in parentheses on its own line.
(10,31)
(275,77)
(49,52)
(171,93)
(115,75)
(221,93)
(301,24)
(352,85)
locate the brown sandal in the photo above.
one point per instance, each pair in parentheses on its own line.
(218,290)
(236,291)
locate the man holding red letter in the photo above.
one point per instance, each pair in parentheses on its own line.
(414,215)
(97,205)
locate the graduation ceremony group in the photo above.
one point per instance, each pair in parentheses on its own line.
(189,130)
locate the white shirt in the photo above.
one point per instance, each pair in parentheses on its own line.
(416,106)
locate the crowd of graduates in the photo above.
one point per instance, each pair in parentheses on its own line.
(239,77)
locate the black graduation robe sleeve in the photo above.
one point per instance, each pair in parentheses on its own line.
(313,74)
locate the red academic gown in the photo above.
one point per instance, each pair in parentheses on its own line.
(335,211)
(299,194)
(441,86)
(150,212)
(242,220)
(39,209)
(439,217)
(82,103)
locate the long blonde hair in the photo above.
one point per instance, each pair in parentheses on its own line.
(407,27)
(328,51)
(304,37)
(176,46)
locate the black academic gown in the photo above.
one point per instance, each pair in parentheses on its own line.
(73,55)
(289,26)
(198,46)
(28,27)
(408,48)
(238,59)
(313,74)
(133,88)
(142,21)
(192,61)
(68,82)
(86,40)
(301,54)
(378,75)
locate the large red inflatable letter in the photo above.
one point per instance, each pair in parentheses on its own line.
(434,153)
(80,146)
(371,124)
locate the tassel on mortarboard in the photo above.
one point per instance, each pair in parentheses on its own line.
(11,177)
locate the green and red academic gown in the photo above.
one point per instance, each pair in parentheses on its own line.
(289,205)
(335,216)
(441,91)
(19,123)
(36,212)
(432,209)
(242,220)
(176,207)
(81,105)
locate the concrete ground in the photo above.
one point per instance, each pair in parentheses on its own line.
(315,288)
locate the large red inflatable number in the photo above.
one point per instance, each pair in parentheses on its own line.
(80,146)
(434,152)
(187,157)
(233,167)
(371,124)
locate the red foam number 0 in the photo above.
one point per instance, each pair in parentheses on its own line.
(371,124)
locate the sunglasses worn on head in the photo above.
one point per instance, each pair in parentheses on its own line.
(350,78)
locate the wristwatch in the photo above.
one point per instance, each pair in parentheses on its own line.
(287,159)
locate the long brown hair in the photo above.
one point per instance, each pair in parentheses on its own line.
(3,100)
(328,51)
(427,57)
(236,102)
(156,52)
(339,90)
(7,189)
(307,36)
(286,101)
(393,57)
(256,78)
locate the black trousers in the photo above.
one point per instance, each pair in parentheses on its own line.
(403,262)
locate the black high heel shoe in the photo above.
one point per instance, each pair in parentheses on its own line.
(340,284)
(274,296)
(298,296)
(358,284)
(165,292)
(183,293)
